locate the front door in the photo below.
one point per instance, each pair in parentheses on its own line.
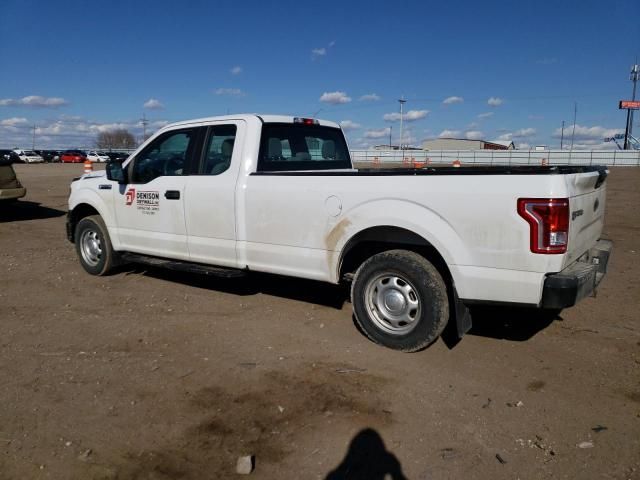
(150,209)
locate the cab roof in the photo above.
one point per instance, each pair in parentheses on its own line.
(245,116)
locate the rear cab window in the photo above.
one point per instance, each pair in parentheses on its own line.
(296,147)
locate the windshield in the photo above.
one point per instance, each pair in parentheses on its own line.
(30,153)
(290,147)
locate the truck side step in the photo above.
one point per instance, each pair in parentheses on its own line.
(182,266)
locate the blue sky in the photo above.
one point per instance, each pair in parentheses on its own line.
(510,70)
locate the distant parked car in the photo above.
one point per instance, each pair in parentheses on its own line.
(73,156)
(10,186)
(50,156)
(9,156)
(29,156)
(117,156)
(95,156)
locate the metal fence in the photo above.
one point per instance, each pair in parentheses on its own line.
(496,157)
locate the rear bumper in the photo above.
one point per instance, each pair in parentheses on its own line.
(578,280)
(12,193)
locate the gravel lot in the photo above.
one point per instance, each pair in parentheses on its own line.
(149,374)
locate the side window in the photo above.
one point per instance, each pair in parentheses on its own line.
(218,150)
(165,156)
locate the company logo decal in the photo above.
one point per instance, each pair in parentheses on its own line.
(130,196)
(147,203)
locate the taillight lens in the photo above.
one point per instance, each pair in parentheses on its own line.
(548,220)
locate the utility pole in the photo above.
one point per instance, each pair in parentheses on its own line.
(144,122)
(635,72)
(390,130)
(33,143)
(575,114)
(402,102)
(562,135)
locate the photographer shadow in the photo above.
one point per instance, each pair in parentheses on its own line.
(367,459)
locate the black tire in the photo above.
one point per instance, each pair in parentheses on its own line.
(93,246)
(414,308)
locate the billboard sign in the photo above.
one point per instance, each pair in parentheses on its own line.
(629,104)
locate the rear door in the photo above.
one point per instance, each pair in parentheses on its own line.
(150,209)
(587,197)
(210,206)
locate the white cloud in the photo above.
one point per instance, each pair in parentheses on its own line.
(349,125)
(522,133)
(473,135)
(410,116)
(332,43)
(485,115)
(495,101)
(34,101)
(318,52)
(13,122)
(453,100)
(450,134)
(587,135)
(335,98)
(383,132)
(232,92)
(524,146)
(370,97)
(153,104)
(67,132)
(237,70)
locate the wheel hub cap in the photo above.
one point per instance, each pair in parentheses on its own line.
(393,303)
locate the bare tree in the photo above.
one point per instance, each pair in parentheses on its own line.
(119,138)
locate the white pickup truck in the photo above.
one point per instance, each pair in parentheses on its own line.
(278,194)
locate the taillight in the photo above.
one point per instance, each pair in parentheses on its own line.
(548,220)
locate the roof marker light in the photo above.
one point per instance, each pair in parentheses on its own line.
(306,121)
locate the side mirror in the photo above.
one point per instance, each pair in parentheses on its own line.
(116,173)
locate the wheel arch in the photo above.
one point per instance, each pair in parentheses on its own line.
(374,240)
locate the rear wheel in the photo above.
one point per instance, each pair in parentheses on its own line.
(400,300)
(93,246)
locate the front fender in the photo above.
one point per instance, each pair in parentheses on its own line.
(87,196)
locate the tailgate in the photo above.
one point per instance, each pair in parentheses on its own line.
(587,192)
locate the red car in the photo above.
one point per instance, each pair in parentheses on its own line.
(73,156)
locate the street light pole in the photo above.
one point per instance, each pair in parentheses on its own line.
(562,135)
(635,72)
(402,102)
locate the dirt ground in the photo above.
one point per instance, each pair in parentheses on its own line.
(150,374)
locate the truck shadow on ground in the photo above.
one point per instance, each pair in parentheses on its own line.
(310,291)
(368,459)
(510,323)
(24,210)
(504,323)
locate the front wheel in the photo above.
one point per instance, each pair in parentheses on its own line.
(400,300)
(93,246)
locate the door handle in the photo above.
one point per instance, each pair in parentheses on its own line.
(172,194)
